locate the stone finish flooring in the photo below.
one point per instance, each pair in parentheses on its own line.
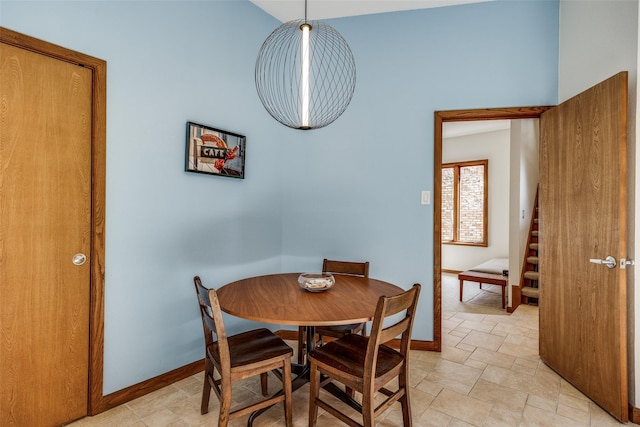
(488,374)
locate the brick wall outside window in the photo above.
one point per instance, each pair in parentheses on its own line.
(447,205)
(470,196)
(472,204)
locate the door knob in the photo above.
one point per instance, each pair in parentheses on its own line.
(609,261)
(79,259)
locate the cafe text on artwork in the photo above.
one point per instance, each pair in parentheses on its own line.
(214,151)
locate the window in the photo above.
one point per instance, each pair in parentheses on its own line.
(464,203)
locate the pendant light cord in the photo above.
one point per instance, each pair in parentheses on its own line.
(305,10)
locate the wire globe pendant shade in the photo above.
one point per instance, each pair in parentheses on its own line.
(305,74)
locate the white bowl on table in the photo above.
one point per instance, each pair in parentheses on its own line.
(316,282)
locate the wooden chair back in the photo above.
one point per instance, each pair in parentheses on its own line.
(353,361)
(215,336)
(346,267)
(402,327)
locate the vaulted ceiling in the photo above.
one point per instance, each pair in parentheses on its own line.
(287,10)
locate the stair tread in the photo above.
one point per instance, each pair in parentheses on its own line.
(535,233)
(530,292)
(532,275)
(533,246)
(533,259)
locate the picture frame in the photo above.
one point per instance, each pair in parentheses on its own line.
(214,151)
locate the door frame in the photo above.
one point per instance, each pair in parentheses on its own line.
(440,117)
(98,199)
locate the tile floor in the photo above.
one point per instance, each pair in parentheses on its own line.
(488,374)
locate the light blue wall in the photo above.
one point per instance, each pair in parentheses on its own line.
(350,190)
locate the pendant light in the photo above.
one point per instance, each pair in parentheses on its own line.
(305,74)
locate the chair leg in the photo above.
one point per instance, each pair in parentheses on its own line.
(314,391)
(225,404)
(286,384)
(301,346)
(206,390)
(264,384)
(368,408)
(350,392)
(404,400)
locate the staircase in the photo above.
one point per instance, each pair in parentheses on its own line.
(530,289)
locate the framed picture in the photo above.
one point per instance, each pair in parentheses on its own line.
(214,151)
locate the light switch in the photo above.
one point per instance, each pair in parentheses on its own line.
(425,197)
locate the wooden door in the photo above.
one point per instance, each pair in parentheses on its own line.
(45,203)
(583,175)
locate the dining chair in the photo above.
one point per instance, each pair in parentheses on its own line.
(368,364)
(338,267)
(237,357)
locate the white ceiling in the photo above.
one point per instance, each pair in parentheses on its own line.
(454,129)
(287,10)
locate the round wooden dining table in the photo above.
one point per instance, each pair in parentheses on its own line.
(278,299)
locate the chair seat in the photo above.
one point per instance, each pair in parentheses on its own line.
(339,330)
(253,346)
(347,354)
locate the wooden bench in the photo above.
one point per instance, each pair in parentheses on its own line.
(488,278)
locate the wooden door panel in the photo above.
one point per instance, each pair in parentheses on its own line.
(45,199)
(582,216)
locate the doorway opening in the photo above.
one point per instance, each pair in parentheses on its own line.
(442,117)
